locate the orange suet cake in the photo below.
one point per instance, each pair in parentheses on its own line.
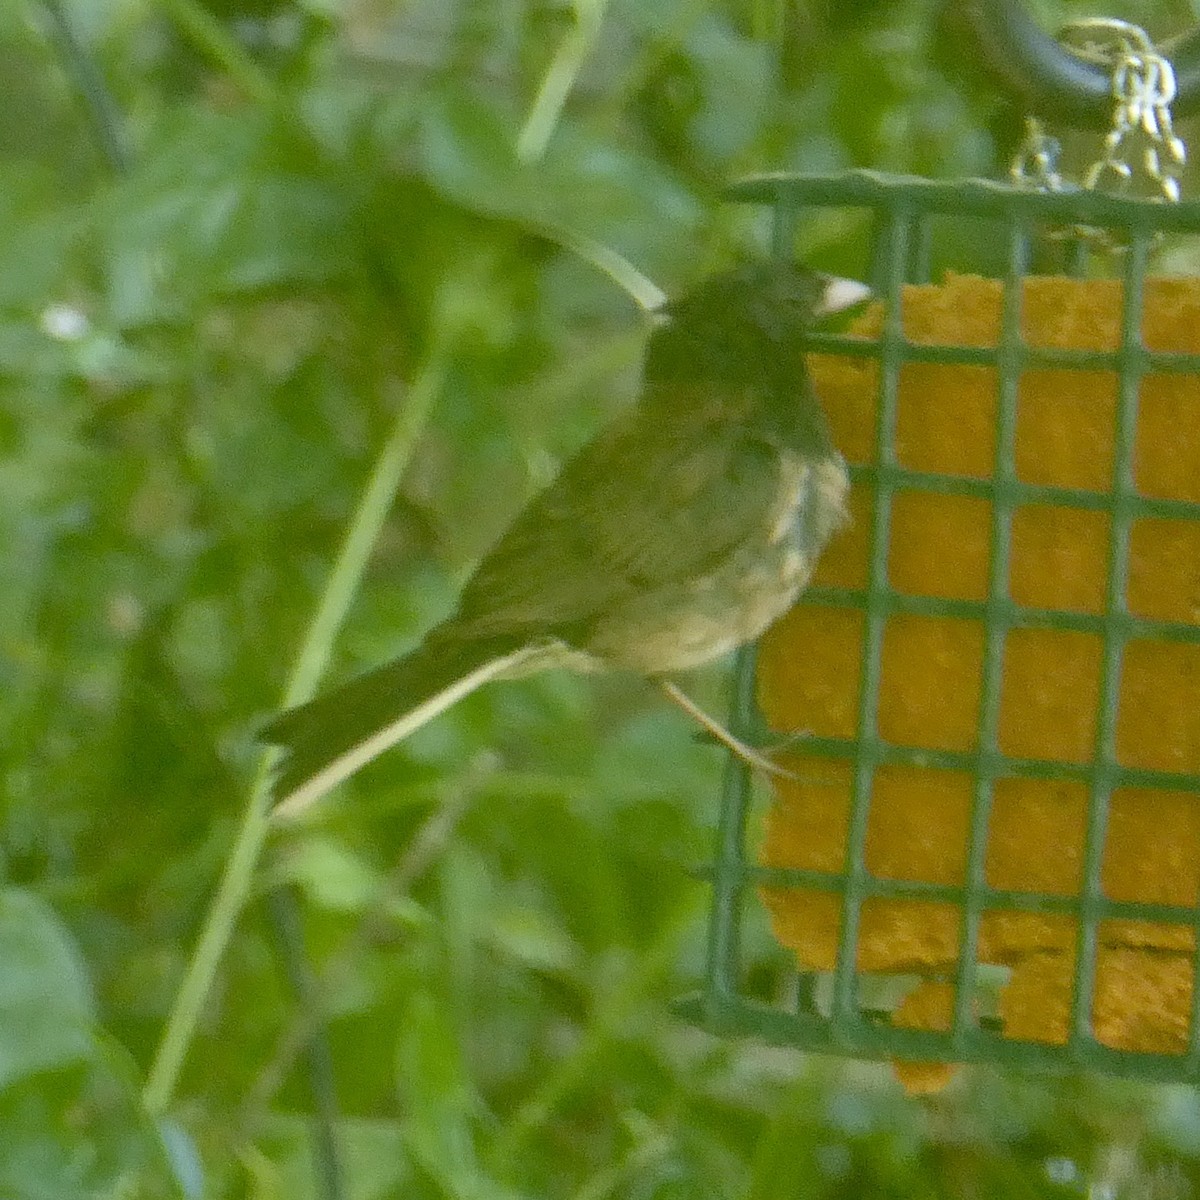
(930,689)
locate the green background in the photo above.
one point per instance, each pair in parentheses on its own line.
(343,226)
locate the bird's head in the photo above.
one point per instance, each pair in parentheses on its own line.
(738,316)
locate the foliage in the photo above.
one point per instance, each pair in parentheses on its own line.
(331,207)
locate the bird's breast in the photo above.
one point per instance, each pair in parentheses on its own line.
(736,599)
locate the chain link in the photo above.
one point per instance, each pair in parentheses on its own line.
(1036,162)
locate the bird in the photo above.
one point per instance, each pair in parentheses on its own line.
(681,531)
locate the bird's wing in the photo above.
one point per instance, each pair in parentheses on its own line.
(648,504)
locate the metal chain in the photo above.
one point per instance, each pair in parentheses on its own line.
(1143,85)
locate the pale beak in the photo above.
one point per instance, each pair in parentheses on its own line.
(841,294)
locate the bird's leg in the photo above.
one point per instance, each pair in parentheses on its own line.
(747,754)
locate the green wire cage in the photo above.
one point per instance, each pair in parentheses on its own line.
(831,1009)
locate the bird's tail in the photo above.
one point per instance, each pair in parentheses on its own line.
(329,738)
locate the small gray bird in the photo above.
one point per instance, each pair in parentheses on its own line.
(683,530)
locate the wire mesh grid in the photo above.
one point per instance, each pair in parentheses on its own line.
(903,211)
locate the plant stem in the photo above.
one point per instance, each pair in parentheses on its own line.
(214,42)
(93,91)
(559,79)
(314,654)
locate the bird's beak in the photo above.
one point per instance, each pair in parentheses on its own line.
(841,294)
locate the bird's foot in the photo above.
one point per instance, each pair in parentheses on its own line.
(753,756)
(756,751)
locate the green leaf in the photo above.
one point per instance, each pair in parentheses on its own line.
(436,1093)
(46,1002)
(69,1104)
(330,874)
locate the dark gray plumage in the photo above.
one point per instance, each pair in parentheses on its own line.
(683,530)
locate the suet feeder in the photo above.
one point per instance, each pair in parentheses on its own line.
(991,850)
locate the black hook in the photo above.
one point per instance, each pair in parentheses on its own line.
(1060,86)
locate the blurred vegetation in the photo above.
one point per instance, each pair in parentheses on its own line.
(217,303)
